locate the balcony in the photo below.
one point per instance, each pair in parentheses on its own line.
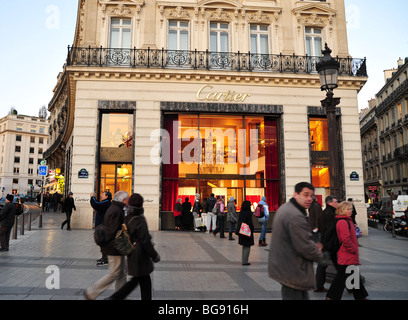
(206,60)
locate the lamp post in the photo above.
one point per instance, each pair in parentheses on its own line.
(328,69)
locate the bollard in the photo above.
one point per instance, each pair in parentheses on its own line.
(22,224)
(29,221)
(15,227)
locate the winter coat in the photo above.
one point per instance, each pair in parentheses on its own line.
(197,206)
(231,212)
(210,204)
(7,215)
(100,207)
(315,212)
(140,261)
(68,205)
(327,219)
(292,251)
(348,252)
(266,211)
(187,216)
(177,209)
(113,222)
(245,217)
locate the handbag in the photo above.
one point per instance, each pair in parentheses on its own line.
(358,232)
(245,230)
(122,242)
(198,223)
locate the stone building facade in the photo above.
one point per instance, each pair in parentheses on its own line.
(173,99)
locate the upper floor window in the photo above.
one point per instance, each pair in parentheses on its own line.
(19,127)
(121,33)
(219,37)
(259,39)
(314,41)
(178,38)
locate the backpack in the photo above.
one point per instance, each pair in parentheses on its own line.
(100,236)
(331,241)
(122,241)
(19,209)
(259,211)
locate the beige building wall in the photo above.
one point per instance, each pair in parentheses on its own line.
(81,86)
(147,179)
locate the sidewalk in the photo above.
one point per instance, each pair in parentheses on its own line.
(193,266)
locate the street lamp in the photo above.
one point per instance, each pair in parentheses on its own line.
(328,69)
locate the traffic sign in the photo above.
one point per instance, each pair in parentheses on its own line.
(43,162)
(42,170)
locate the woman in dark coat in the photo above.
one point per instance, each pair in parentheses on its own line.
(140,261)
(245,216)
(187,215)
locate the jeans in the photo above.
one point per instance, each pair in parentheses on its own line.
(117,274)
(145,288)
(5,236)
(263,230)
(339,283)
(220,228)
(245,254)
(211,217)
(293,294)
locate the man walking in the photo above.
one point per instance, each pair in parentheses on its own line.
(113,220)
(327,219)
(100,208)
(6,222)
(292,250)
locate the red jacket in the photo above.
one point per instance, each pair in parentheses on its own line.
(348,252)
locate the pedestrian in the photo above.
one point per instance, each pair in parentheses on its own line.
(140,261)
(245,216)
(220,205)
(327,219)
(187,217)
(211,217)
(112,221)
(292,249)
(196,210)
(263,221)
(347,255)
(7,215)
(67,207)
(204,214)
(354,211)
(231,216)
(55,200)
(315,213)
(100,207)
(177,215)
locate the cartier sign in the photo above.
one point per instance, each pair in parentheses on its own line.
(207,93)
(116,155)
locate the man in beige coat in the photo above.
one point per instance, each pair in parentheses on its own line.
(292,250)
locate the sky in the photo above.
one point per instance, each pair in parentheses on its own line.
(35,36)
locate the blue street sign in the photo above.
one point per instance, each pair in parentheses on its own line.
(42,170)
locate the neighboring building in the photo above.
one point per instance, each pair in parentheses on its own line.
(392,115)
(23,140)
(371,153)
(138,69)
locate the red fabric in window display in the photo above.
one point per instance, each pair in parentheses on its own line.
(271,164)
(170,165)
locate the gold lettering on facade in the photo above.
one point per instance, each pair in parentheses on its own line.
(229,96)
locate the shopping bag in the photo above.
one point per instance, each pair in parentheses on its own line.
(245,230)
(198,222)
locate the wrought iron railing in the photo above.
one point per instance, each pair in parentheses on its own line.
(206,60)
